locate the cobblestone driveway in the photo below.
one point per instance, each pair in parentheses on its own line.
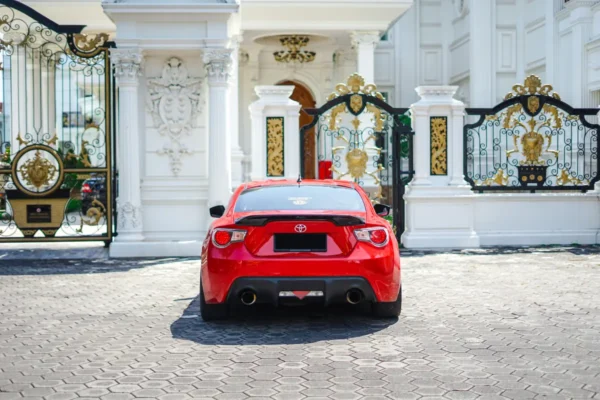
(519,325)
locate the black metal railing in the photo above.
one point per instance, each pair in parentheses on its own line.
(531,141)
(358,136)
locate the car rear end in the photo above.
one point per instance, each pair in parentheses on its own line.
(282,244)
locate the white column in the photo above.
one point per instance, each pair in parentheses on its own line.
(364,42)
(218,63)
(128,69)
(274,101)
(550,38)
(237,155)
(581,27)
(439,208)
(481,49)
(420,124)
(456,123)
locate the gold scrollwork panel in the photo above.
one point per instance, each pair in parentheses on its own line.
(275,154)
(439,145)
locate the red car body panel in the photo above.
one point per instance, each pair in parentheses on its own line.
(255,257)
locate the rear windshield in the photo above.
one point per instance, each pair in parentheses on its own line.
(301,197)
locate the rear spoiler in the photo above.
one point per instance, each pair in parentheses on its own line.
(262,220)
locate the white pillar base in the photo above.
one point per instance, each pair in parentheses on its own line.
(439,218)
(125,237)
(191,248)
(440,240)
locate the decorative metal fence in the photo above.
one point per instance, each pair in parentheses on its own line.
(56,166)
(531,141)
(362,138)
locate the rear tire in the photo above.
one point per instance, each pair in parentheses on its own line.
(390,309)
(212,312)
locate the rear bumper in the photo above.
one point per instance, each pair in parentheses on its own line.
(378,272)
(268,290)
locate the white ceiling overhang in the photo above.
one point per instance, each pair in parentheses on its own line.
(74,12)
(332,15)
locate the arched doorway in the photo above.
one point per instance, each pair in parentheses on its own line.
(303,96)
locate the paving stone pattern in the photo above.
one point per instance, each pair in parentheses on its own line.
(475,325)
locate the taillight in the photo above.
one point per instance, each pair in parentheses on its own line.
(376,236)
(85,188)
(224,237)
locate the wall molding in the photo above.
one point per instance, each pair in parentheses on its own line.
(459,77)
(535,24)
(540,62)
(174,101)
(435,51)
(462,40)
(503,34)
(593,43)
(431,24)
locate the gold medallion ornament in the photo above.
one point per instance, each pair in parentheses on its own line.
(356,86)
(37,170)
(89,43)
(294,50)
(356,103)
(533,104)
(357,163)
(533,144)
(532,85)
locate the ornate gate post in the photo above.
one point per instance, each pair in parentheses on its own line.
(275,133)
(217,63)
(439,203)
(127,67)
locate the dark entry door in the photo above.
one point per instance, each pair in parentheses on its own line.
(303,96)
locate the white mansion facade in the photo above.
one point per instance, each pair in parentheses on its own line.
(211,56)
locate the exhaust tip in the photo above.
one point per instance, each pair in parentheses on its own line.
(354,296)
(248,297)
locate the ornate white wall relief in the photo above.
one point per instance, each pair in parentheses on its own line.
(129,215)
(175,103)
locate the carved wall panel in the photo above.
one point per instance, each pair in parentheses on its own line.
(174,101)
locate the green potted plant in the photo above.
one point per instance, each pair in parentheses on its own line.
(72,182)
(5,159)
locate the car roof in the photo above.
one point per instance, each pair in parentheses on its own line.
(294,182)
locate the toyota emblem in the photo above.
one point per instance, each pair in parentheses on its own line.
(300,228)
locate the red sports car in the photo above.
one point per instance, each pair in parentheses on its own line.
(285,242)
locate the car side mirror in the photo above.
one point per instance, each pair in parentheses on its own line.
(382,210)
(217,211)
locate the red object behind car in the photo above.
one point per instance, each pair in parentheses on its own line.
(282,242)
(325,171)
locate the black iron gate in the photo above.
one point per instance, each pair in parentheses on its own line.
(56,161)
(532,141)
(360,137)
